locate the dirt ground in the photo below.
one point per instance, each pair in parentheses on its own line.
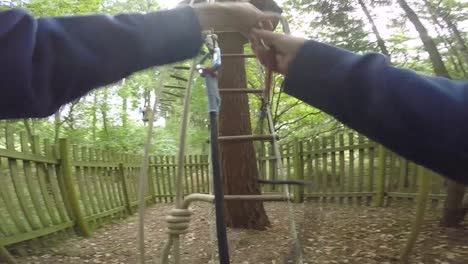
(329,233)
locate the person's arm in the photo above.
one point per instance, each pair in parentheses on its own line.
(422,118)
(47,62)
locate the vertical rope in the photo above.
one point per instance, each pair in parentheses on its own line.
(143,181)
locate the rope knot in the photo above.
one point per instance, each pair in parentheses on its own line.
(178,221)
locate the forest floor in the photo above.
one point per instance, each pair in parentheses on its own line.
(329,233)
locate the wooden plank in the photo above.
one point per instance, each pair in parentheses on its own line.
(351,166)
(114,180)
(240,90)
(97,164)
(32,185)
(402,178)
(351,163)
(342,180)
(88,181)
(191,173)
(298,171)
(158,178)
(124,186)
(102,181)
(334,177)
(19,184)
(392,177)
(4,241)
(96,183)
(172,94)
(204,174)
(13,154)
(6,256)
(318,169)
(175,87)
(13,212)
(178,77)
(106,213)
(117,180)
(186,176)
(340,194)
(246,138)
(380,187)
(83,197)
(41,176)
(413,195)
(325,178)
(173,176)
(309,160)
(197,174)
(151,187)
(345,148)
(371,176)
(163,177)
(78,214)
(361,172)
(54,185)
(107,176)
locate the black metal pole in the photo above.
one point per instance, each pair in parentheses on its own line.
(218,191)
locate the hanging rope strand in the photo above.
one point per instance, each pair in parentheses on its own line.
(143,181)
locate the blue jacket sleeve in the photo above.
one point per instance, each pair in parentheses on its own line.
(47,62)
(422,118)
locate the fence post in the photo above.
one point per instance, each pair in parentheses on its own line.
(6,256)
(124,188)
(298,171)
(70,192)
(152,190)
(380,180)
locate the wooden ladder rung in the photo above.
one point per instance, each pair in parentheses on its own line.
(243,56)
(262,197)
(177,77)
(247,138)
(174,87)
(238,90)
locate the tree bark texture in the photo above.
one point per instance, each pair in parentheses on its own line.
(238,159)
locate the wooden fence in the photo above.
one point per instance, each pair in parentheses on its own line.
(50,192)
(349,167)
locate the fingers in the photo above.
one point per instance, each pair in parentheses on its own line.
(269,38)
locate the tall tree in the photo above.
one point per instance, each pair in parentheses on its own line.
(453,209)
(238,160)
(380,41)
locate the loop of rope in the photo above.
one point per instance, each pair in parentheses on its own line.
(178,221)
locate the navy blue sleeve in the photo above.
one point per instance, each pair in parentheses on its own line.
(47,62)
(422,118)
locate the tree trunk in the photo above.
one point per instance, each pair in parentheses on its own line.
(453,204)
(458,36)
(57,124)
(454,211)
(238,159)
(380,41)
(94,121)
(429,45)
(104,109)
(456,59)
(29,130)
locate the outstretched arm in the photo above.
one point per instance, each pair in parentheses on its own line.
(47,62)
(50,61)
(422,118)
